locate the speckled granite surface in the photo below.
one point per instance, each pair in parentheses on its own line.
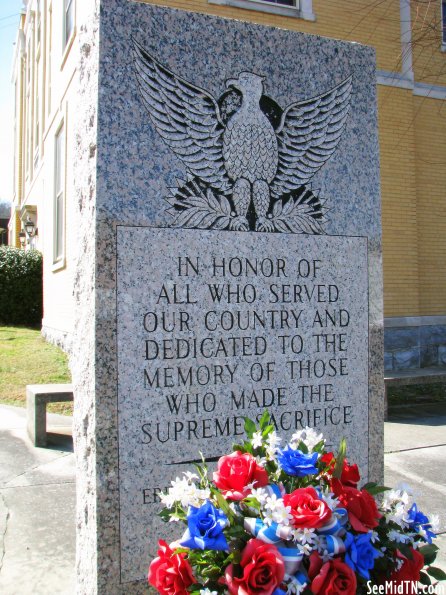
(130,178)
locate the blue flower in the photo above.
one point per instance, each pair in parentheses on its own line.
(296,463)
(205,528)
(360,554)
(419,520)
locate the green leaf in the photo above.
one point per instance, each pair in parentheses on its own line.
(424,579)
(437,573)
(303,447)
(266,431)
(250,427)
(165,514)
(373,488)
(429,553)
(222,504)
(239,447)
(319,447)
(264,420)
(340,457)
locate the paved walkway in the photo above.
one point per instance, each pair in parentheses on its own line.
(37,493)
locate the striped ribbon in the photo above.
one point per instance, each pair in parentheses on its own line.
(292,558)
(268,533)
(336,523)
(274,490)
(335,545)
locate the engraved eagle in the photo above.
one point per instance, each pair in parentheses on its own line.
(243,156)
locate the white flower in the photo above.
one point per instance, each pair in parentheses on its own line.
(330,500)
(185,492)
(399,515)
(276,511)
(326,556)
(167,499)
(398,537)
(304,536)
(373,536)
(268,517)
(273,440)
(261,495)
(282,515)
(272,443)
(395,497)
(293,585)
(256,439)
(174,518)
(305,549)
(308,436)
(207,592)
(192,477)
(261,460)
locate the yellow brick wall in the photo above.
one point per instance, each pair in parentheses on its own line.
(430,135)
(399,202)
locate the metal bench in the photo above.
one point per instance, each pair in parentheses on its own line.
(411,377)
(37,397)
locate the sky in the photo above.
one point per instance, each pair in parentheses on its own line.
(9,20)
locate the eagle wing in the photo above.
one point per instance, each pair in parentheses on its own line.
(186,117)
(307,136)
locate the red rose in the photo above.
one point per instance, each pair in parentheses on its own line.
(350,473)
(409,571)
(361,506)
(262,570)
(237,471)
(331,578)
(170,573)
(308,510)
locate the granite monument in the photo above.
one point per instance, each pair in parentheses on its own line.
(235,264)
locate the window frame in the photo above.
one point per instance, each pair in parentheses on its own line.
(68,9)
(67,40)
(302,9)
(443,24)
(59,208)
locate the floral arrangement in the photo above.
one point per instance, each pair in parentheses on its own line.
(291,520)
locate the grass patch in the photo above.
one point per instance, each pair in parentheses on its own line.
(26,358)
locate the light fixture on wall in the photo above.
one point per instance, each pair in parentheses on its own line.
(30,227)
(22,238)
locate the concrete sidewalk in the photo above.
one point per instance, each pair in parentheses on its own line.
(37,493)
(37,503)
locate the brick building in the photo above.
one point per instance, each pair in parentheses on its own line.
(410,42)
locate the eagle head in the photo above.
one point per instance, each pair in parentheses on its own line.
(247,83)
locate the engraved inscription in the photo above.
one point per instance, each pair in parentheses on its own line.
(211,331)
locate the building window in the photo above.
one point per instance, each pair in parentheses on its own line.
(39,23)
(49,58)
(443,23)
(69,20)
(59,195)
(302,9)
(282,2)
(37,107)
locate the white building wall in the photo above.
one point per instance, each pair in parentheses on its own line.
(50,100)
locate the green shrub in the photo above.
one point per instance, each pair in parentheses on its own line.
(20,286)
